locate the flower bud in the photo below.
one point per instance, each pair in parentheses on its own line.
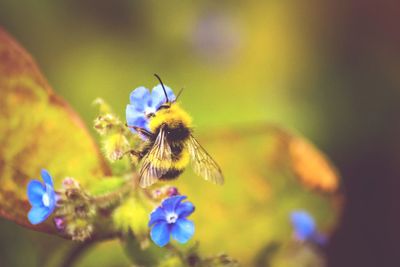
(115,146)
(104,108)
(173,191)
(59,222)
(104,124)
(164,192)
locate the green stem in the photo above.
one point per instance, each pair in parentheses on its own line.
(177,252)
(78,250)
(117,195)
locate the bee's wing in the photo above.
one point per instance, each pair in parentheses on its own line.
(203,164)
(156,162)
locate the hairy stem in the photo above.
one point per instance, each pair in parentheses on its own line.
(176,251)
(79,249)
(117,195)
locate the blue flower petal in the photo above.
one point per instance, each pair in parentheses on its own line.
(132,114)
(35,192)
(52,197)
(184,209)
(135,118)
(140,97)
(139,122)
(169,205)
(156,216)
(182,230)
(158,96)
(46,177)
(142,123)
(303,224)
(38,214)
(160,233)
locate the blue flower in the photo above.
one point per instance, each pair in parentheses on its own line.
(305,227)
(42,198)
(170,219)
(143,104)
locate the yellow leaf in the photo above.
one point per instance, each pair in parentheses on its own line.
(38,130)
(311,166)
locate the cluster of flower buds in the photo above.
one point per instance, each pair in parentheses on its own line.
(164,192)
(105,123)
(222,260)
(113,132)
(76,211)
(192,258)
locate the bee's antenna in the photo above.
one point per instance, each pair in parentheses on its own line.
(178,95)
(162,85)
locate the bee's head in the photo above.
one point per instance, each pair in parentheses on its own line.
(169,112)
(168,102)
(166,105)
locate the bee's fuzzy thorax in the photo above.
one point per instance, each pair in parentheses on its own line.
(172,116)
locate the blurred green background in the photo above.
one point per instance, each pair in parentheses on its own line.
(329,69)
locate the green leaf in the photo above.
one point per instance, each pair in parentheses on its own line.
(38,130)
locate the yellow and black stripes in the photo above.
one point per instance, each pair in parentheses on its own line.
(179,160)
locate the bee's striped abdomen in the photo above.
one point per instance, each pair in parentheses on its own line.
(180,159)
(171,174)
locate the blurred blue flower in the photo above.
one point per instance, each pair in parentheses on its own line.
(305,228)
(42,198)
(170,219)
(143,104)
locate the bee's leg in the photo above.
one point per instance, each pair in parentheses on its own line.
(134,153)
(142,131)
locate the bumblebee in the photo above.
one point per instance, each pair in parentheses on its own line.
(170,146)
